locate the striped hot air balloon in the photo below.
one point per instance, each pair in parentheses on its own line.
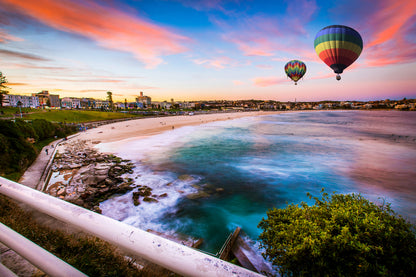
(338,46)
(295,70)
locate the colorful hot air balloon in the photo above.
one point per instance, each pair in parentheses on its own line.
(295,70)
(338,46)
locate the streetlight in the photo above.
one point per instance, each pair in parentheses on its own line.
(19,104)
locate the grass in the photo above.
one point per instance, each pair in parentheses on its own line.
(88,254)
(76,116)
(67,116)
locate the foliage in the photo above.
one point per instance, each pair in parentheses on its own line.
(3,88)
(90,255)
(341,235)
(16,152)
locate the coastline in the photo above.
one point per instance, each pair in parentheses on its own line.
(145,127)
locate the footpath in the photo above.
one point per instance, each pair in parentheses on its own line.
(34,177)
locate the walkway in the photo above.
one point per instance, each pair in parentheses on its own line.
(34,177)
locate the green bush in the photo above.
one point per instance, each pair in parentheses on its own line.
(341,235)
(16,152)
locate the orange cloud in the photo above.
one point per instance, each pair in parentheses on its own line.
(107,26)
(391,19)
(390,27)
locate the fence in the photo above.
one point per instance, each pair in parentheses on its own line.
(176,257)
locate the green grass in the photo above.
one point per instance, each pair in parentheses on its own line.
(75,116)
(90,255)
(11,112)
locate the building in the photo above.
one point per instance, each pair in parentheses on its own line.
(145,100)
(46,99)
(25,101)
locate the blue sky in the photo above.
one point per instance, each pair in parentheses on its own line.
(203,50)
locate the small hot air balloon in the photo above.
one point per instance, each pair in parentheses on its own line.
(338,46)
(295,70)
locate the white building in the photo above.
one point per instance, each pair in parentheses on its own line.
(12,100)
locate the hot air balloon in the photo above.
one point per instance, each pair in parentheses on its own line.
(338,46)
(295,70)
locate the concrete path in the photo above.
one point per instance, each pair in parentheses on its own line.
(33,175)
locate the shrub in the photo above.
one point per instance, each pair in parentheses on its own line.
(341,235)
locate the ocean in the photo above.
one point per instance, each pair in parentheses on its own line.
(221,175)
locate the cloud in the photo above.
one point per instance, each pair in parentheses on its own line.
(392,34)
(268,81)
(109,27)
(219,62)
(238,82)
(17,84)
(5,37)
(20,55)
(270,35)
(388,29)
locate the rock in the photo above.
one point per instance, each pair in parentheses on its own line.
(61,191)
(94,181)
(145,191)
(97,209)
(185,178)
(197,195)
(136,200)
(150,200)
(163,195)
(219,189)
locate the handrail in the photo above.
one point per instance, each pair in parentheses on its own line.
(36,255)
(168,254)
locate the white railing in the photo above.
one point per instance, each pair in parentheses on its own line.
(168,254)
(45,261)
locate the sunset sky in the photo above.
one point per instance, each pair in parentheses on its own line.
(203,50)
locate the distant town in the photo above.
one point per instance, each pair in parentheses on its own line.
(144,103)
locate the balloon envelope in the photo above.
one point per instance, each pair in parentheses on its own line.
(295,70)
(338,46)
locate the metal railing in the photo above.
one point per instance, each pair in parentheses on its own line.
(168,254)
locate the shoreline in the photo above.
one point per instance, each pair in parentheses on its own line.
(145,127)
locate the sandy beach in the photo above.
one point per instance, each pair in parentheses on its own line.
(151,126)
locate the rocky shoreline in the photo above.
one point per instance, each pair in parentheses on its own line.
(85,177)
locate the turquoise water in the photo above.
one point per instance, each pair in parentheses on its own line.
(250,165)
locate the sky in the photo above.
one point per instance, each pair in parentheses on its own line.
(190,50)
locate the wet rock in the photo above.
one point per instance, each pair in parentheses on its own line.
(136,200)
(197,195)
(163,195)
(185,178)
(150,200)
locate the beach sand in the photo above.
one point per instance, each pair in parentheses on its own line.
(151,126)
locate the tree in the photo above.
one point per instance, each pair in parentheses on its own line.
(110,99)
(341,235)
(125,104)
(3,88)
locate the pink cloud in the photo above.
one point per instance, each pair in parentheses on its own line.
(390,27)
(238,83)
(4,37)
(110,28)
(261,35)
(219,63)
(268,81)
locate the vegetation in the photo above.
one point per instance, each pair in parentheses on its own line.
(90,255)
(3,88)
(341,235)
(19,142)
(76,116)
